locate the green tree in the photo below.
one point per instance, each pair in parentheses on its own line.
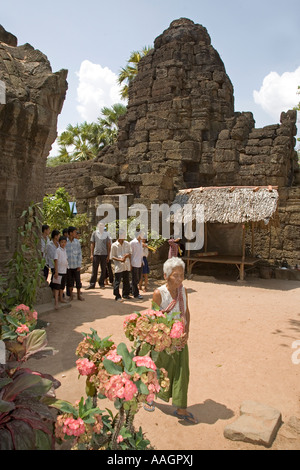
(84,141)
(80,142)
(129,72)
(58,213)
(109,121)
(56,209)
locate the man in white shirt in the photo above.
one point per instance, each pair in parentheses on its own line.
(136,263)
(60,271)
(120,253)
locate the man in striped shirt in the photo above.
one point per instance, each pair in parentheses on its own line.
(74,255)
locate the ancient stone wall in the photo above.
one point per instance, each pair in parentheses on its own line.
(28,118)
(181,131)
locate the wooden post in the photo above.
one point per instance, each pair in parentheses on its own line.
(252,246)
(242,271)
(189,270)
(205,237)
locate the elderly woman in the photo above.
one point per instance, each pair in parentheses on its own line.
(172,297)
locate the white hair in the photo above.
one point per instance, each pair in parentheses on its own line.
(171,264)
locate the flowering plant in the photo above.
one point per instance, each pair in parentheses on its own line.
(90,428)
(84,423)
(22,338)
(130,378)
(156,331)
(117,374)
(123,377)
(18,323)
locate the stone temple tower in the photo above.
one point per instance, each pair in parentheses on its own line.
(178,105)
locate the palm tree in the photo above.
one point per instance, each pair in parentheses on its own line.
(109,121)
(85,140)
(128,73)
(79,142)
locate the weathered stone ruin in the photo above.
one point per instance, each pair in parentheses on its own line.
(32,99)
(181,131)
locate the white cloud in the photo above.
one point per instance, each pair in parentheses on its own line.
(97,88)
(278,93)
(54,150)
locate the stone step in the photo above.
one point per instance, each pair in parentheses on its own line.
(48,307)
(257,424)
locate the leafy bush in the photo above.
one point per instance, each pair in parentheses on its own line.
(24,271)
(59,214)
(26,423)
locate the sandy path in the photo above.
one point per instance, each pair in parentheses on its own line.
(240,349)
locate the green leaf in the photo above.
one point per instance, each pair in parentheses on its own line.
(42,440)
(4,382)
(118,403)
(34,342)
(6,406)
(154,355)
(155,306)
(12,320)
(142,388)
(122,350)
(26,383)
(61,405)
(145,348)
(112,368)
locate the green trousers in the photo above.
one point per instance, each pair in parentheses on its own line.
(177,366)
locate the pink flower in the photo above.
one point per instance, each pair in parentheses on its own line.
(22,307)
(35,315)
(150,398)
(119,386)
(130,318)
(113,356)
(85,367)
(22,329)
(119,438)
(74,427)
(152,313)
(144,361)
(177,330)
(148,312)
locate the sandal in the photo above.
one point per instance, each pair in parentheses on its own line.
(149,406)
(187,417)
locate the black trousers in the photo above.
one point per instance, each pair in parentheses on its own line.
(135,279)
(73,277)
(102,261)
(109,272)
(119,277)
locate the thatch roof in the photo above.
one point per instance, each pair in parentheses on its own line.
(229,204)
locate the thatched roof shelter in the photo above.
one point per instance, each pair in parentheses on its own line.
(230,204)
(234,206)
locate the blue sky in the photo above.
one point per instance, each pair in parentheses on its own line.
(258,42)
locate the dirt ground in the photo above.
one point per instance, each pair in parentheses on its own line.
(240,347)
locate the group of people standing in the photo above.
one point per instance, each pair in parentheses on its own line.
(63,257)
(129,258)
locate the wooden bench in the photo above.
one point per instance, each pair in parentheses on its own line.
(238,261)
